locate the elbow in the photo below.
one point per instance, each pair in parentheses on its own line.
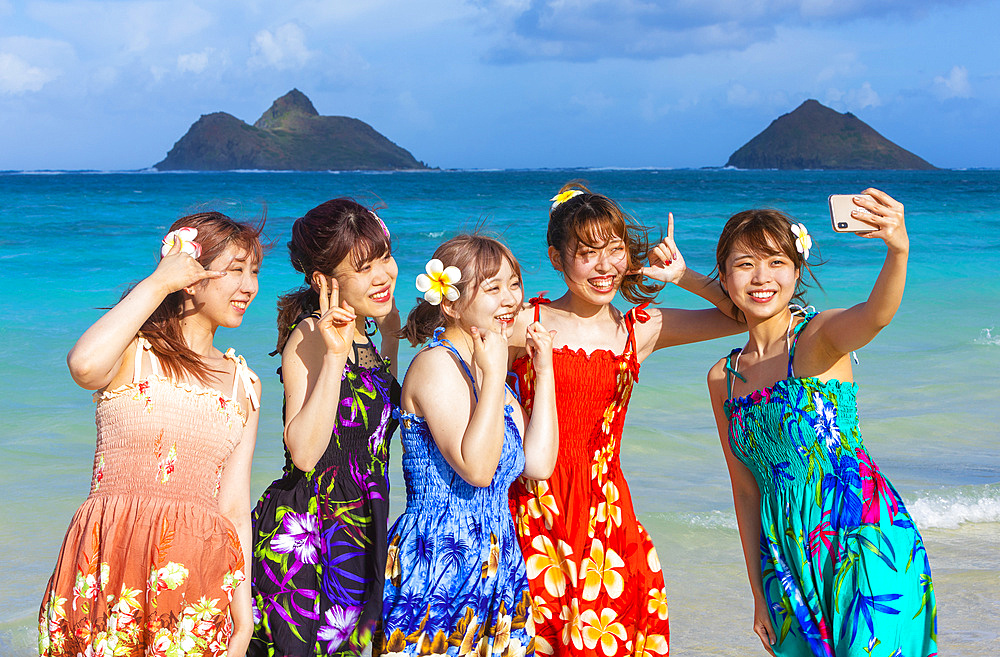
(478,477)
(82,370)
(301,460)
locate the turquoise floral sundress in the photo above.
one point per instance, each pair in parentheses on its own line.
(845,572)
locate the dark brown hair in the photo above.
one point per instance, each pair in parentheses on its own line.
(591,219)
(321,239)
(764,232)
(478,257)
(216,232)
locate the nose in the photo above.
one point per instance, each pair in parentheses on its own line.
(249,283)
(761,273)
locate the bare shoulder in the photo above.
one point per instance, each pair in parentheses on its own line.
(717,374)
(434,375)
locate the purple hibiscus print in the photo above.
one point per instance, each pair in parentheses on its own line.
(338,624)
(300,535)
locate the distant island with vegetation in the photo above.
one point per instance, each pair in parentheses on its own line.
(814,136)
(290,136)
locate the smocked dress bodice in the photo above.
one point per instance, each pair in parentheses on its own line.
(844,569)
(455,574)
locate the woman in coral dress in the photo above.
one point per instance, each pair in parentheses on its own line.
(595,576)
(153,561)
(320,529)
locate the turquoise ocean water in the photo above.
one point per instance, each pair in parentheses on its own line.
(70,242)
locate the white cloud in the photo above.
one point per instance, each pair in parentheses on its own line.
(283,49)
(862,97)
(194,62)
(956,85)
(740,96)
(18,76)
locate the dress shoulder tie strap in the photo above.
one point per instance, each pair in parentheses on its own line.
(245,376)
(793,333)
(636,314)
(438,341)
(142,346)
(732,372)
(538,301)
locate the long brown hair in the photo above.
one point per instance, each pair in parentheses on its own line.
(765,232)
(478,257)
(216,232)
(321,239)
(590,219)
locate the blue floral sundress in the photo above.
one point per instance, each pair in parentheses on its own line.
(455,577)
(845,571)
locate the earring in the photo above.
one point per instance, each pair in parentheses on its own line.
(371,328)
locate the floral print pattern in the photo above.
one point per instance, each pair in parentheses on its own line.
(320,536)
(455,579)
(595,578)
(159,448)
(844,568)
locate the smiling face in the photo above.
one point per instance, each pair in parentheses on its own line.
(760,284)
(593,272)
(494,304)
(223,301)
(368,287)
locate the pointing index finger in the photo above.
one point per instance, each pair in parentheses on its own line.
(670,225)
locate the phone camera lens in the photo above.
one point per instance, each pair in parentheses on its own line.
(841,224)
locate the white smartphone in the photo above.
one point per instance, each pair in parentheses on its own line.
(841,207)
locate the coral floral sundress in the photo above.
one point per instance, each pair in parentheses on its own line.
(595,578)
(149,565)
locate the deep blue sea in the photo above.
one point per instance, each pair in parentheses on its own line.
(71,242)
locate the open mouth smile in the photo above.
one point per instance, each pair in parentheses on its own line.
(382,295)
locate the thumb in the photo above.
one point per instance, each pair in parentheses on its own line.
(175,247)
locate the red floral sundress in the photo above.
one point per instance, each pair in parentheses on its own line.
(594,575)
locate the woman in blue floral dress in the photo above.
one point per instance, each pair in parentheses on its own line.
(836,564)
(455,578)
(320,530)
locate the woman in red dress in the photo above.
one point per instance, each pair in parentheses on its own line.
(594,574)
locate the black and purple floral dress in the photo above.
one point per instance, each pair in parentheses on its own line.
(319,548)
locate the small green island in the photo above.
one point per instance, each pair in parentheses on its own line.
(290,136)
(814,136)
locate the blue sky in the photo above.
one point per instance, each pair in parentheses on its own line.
(112,84)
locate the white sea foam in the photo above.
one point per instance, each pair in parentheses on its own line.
(948,510)
(986,337)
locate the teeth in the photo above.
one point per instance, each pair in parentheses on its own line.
(761,295)
(506,318)
(603,283)
(381,296)
(240,304)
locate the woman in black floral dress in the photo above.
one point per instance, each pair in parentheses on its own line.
(320,530)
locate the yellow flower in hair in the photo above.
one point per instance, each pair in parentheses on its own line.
(561,198)
(439,282)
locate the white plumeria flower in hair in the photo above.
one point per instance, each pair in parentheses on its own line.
(186,235)
(803,241)
(439,282)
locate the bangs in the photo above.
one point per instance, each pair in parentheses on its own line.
(370,243)
(490,260)
(596,231)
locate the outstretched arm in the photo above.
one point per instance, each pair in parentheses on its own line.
(667,265)
(843,331)
(97,356)
(746,502)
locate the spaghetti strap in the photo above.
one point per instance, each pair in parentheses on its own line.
(732,373)
(796,331)
(438,341)
(142,346)
(536,302)
(636,314)
(244,375)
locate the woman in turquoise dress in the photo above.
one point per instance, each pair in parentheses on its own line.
(836,564)
(455,578)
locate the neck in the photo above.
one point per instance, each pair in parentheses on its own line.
(360,334)
(198,334)
(765,334)
(583,308)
